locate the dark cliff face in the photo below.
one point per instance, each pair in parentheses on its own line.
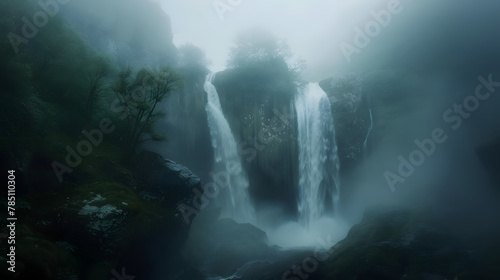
(488,153)
(350,109)
(187,128)
(259,109)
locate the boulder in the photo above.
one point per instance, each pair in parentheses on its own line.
(400,244)
(164,180)
(221,247)
(489,154)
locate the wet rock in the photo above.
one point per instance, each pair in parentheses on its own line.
(402,244)
(164,180)
(489,154)
(352,123)
(223,246)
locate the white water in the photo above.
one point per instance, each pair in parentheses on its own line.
(370,128)
(318,160)
(233,196)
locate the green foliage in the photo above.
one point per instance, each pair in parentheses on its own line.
(48,69)
(97,86)
(260,71)
(14,72)
(139,97)
(256,47)
(143,25)
(56,82)
(41,258)
(115,194)
(51,89)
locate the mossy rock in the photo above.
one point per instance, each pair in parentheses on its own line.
(391,244)
(104,163)
(489,154)
(100,217)
(38,257)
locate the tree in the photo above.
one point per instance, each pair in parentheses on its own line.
(96,80)
(191,55)
(259,49)
(139,97)
(192,64)
(256,45)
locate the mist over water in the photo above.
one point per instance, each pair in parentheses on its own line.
(324,230)
(375,118)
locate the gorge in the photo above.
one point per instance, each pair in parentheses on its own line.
(252,148)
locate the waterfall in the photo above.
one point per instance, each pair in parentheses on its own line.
(318,160)
(370,128)
(233,196)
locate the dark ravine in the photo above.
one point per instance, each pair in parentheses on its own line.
(118,207)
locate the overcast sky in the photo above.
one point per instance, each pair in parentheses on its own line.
(316,29)
(312,28)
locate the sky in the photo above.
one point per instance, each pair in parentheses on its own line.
(317,30)
(312,28)
(336,37)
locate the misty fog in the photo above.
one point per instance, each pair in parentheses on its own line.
(247,139)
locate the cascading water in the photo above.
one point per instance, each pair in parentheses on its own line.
(233,197)
(318,160)
(370,128)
